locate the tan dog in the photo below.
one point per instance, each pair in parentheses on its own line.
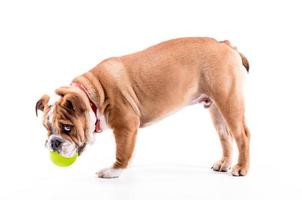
(131,91)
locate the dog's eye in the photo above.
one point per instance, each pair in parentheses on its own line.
(66,128)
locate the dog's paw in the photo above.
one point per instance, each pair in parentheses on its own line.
(109,173)
(239,170)
(222,166)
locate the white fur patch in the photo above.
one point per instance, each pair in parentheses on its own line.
(91,124)
(50,114)
(102,121)
(109,173)
(52,102)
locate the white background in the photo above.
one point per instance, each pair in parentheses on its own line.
(45,44)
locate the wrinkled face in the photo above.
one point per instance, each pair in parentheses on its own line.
(69,121)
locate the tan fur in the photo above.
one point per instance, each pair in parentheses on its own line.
(245,62)
(134,90)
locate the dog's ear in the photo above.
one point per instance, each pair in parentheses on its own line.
(42,103)
(71,100)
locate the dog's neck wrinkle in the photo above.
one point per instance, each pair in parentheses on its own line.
(90,89)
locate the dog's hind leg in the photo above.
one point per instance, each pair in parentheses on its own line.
(231,107)
(226,139)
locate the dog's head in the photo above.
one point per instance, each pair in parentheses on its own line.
(70,121)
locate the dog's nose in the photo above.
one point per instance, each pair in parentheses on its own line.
(55,144)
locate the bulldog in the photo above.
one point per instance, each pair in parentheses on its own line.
(129,92)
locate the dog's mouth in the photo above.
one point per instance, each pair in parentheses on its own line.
(62,146)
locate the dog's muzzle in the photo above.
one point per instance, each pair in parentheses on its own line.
(60,145)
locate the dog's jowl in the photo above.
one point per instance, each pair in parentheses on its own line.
(128,92)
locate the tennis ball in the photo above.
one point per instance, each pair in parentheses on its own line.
(62,161)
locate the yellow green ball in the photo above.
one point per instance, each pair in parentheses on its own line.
(62,161)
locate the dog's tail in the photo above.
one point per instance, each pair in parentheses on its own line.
(245,62)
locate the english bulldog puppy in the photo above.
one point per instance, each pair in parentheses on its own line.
(129,92)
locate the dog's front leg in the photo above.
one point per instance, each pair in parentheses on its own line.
(125,137)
